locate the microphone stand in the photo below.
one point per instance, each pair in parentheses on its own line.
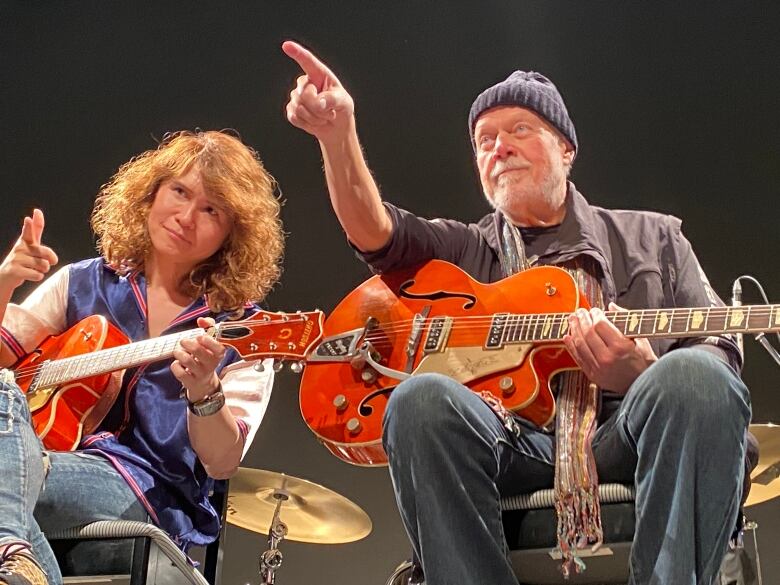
(761,338)
(736,301)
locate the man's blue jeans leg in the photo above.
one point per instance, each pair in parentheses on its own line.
(683,423)
(679,433)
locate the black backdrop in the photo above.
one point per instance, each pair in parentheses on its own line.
(674,103)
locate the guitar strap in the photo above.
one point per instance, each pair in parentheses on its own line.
(576,480)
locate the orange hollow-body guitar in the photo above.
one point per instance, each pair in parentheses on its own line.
(66,379)
(504,338)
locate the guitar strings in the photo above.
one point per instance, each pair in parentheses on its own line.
(462,323)
(139,347)
(621,317)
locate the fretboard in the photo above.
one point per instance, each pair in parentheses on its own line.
(103,361)
(681,322)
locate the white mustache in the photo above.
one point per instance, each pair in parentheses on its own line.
(508,165)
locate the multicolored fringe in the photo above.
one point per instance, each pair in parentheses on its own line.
(576,480)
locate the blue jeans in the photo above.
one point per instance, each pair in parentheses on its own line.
(42,491)
(678,435)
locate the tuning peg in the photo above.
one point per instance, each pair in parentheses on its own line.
(278,365)
(258,367)
(296,367)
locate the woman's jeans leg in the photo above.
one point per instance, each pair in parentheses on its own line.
(78,488)
(21,462)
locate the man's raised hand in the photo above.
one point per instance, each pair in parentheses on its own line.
(318,104)
(28,259)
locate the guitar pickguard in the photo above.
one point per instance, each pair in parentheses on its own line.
(465,364)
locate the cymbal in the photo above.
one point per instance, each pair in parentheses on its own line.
(312,513)
(765,479)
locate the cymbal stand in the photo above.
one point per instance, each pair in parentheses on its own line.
(752,526)
(271,559)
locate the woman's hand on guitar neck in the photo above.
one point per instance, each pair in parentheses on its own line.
(606,356)
(28,259)
(196,362)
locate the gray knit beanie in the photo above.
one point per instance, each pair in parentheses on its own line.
(526,89)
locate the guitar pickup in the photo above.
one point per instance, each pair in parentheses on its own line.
(438,332)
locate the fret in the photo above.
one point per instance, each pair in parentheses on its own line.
(626,320)
(525,328)
(547,327)
(505,329)
(519,332)
(81,367)
(707,318)
(633,323)
(515,328)
(647,321)
(44,375)
(564,326)
(661,321)
(528,323)
(537,321)
(697,318)
(735,318)
(777,315)
(69,369)
(688,320)
(672,319)
(505,332)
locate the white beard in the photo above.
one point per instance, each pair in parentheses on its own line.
(514,191)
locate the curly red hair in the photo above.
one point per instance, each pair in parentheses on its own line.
(249,261)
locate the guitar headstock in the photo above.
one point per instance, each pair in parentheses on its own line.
(273,335)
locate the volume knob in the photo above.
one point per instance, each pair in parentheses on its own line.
(507,385)
(354,426)
(340,402)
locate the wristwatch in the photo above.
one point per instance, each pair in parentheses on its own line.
(207,406)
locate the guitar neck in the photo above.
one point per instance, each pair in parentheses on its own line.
(679,322)
(56,372)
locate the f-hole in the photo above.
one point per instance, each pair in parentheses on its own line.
(365,409)
(403,291)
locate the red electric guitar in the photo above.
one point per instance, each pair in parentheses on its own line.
(505,338)
(66,378)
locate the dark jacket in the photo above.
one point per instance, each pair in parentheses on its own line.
(645,261)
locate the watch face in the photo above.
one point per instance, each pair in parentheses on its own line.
(209,405)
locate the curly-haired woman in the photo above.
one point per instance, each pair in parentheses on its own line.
(188,234)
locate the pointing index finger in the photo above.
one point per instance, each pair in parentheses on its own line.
(32,228)
(37,226)
(315,69)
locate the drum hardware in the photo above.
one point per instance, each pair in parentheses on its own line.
(765,478)
(753,526)
(259,500)
(407,573)
(271,559)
